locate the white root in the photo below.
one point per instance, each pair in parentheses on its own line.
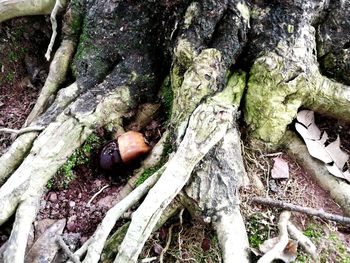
(97,241)
(56,143)
(58,5)
(11,159)
(17,243)
(66,250)
(96,194)
(15,8)
(23,130)
(277,250)
(207,126)
(232,236)
(57,75)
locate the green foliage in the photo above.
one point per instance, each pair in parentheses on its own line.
(80,156)
(314,232)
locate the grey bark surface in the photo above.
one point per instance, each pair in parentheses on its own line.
(123,50)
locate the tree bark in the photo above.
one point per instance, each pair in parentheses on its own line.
(267,58)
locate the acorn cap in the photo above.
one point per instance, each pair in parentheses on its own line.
(132,145)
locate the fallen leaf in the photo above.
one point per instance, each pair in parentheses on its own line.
(280,169)
(312,136)
(331,155)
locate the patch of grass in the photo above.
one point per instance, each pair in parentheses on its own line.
(257,231)
(332,248)
(80,156)
(10,77)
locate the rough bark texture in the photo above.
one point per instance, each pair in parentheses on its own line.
(220,55)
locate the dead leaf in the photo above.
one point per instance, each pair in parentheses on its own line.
(290,252)
(332,155)
(312,136)
(280,169)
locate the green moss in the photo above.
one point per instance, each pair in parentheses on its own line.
(80,156)
(273,97)
(167,96)
(329,61)
(14,56)
(314,232)
(233,92)
(146,174)
(110,249)
(257,232)
(167,149)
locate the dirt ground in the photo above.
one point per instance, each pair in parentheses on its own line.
(23,68)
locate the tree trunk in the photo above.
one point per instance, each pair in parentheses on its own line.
(268,58)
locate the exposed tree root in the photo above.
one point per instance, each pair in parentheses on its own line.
(291,79)
(58,6)
(303,240)
(338,189)
(196,143)
(98,240)
(55,144)
(13,157)
(57,75)
(14,8)
(23,130)
(283,239)
(203,121)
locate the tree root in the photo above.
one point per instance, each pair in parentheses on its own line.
(14,8)
(17,243)
(23,130)
(303,240)
(98,240)
(11,159)
(196,143)
(338,189)
(58,6)
(53,146)
(66,250)
(57,75)
(283,239)
(291,79)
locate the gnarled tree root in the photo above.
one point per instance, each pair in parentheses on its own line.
(56,143)
(337,188)
(14,8)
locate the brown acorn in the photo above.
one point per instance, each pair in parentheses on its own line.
(126,148)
